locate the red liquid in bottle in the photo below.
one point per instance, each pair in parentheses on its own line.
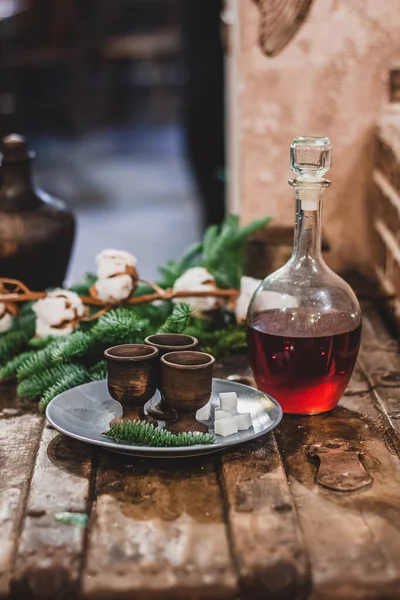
(307,375)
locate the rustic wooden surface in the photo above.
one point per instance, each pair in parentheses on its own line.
(259,522)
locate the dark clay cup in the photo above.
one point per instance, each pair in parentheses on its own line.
(132,376)
(187,383)
(167,342)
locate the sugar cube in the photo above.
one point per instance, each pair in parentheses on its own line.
(243,421)
(228,400)
(222,414)
(204,413)
(226,427)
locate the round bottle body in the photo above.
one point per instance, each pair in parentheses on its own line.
(304,328)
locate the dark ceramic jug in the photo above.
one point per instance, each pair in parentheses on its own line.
(36,230)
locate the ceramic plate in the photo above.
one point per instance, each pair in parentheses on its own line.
(84,413)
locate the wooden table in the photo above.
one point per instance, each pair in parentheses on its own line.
(254,523)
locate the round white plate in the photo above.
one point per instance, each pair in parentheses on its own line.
(84,413)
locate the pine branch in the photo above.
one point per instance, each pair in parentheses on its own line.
(98,371)
(175,268)
(37,360)
(218,342)
(225,256)
(9,369)
(12,342)
(145,434)
(16,339)
(178,320)
(37,384)
(69,381)
(60,349)
(40,343)
(119,326)
(76,344)
(210,239)
(245,232)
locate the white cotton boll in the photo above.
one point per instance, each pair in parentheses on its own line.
(53,311)
(114,289)
(226,427)
(204,413)
(58,306)
(113,262)
(44,330)
(5,321)
(198,279)
(248,286)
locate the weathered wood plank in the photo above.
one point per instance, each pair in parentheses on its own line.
(158,532)
(380,361)
(49,552)
(266,540)
(353,538)
(19,439)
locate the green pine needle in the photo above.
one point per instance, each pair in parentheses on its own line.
(119,326)
(40,343)
(178,320)
(12,342)
(145,434)
(78,377)
(175,268)
(76,344)
(218,342)
(98,371)
(221,253)
(9,369)
(35,385)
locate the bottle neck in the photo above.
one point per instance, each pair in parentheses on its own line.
(308,223)
(16,178)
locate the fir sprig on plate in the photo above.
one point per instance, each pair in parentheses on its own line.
(144,434)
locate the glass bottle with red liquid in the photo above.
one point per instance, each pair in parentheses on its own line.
(304,321)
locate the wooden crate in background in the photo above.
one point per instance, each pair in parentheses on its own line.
(385,205)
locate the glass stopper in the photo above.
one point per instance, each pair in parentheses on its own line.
(311,156)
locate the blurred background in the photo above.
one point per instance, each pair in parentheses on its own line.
(122,101)
(152,118)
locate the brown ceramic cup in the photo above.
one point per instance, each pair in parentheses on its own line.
(186,385)
(166,342)
(132,376)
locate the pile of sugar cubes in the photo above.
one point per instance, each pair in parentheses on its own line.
(227,418)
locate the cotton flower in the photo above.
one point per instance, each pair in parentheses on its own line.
(114,289)
(58,313)
(117,276)
(6,318)
(198,279)
(114,262)
(248,286)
